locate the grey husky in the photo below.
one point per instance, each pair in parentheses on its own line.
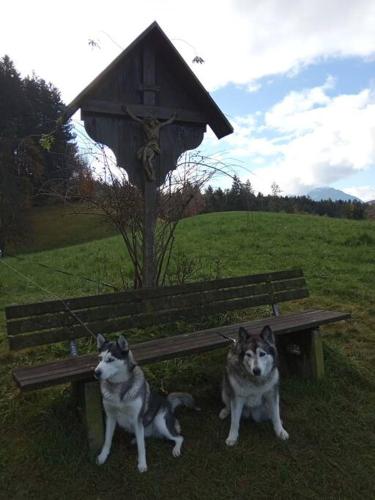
(251,382)
(129,402)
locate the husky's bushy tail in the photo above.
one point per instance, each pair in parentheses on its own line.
(176,399)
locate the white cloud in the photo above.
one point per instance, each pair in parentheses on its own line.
(294,113)
(253,87)
(309,139)
(240,40)
(365,193)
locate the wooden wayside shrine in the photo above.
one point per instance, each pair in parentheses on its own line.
(148,107)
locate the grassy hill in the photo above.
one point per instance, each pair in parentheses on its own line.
(330,453)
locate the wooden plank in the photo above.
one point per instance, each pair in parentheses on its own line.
(50,321)
(285,324)
(144,353)
(288,284)
(153,350)
(289,295)
(75,304)
(17,342)
(93,416)
(316,355)
(149,186)
(81,368)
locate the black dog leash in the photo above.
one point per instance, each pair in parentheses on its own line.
(233,341)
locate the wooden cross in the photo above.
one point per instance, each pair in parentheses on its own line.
(150,188)
(148,107)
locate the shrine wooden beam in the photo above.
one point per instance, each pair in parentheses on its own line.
(148,85)
(161,112)
(150,187)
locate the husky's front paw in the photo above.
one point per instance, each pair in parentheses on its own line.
(142,468)
(231,441)
(282,434)
(176,452)
(101,459)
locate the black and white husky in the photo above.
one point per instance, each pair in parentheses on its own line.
(129,402)
(251,382)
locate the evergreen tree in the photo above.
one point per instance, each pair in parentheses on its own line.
(209,199)
(220,203)
(234,195)
(30,108)
(241,197)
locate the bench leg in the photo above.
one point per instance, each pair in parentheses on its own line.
(316,355)
(301,353)
(91,411)
(76,389)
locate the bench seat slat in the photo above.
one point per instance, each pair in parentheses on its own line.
(80,368)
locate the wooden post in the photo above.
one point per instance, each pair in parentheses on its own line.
(316,355)
(301,354)
(149,190)
(150,198)
(93,416)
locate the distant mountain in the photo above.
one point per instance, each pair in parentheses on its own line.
(327,193)
(371,202)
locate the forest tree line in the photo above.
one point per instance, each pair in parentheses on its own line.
(241,196)
(38,154)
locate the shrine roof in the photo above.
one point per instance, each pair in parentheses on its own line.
(155,35)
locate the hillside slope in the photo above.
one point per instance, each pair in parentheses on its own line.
(335,254)
(331,423)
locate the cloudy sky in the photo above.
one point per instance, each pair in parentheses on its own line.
(296,78)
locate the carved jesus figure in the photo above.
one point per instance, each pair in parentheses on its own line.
(146,153)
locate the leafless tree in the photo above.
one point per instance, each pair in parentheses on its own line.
(275,189)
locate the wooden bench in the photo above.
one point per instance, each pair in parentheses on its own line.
(32,325)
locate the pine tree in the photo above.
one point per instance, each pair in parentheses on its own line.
(234,195)
(30,109)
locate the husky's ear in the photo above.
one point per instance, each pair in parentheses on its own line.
(123,344)
(243,334)
(100,341)
(267,335)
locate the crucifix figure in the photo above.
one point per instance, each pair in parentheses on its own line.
(151,128)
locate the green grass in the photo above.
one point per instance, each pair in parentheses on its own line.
(330,453)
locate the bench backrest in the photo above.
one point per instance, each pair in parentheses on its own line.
(49,322)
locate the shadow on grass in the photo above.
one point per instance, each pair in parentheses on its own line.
(44,454)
